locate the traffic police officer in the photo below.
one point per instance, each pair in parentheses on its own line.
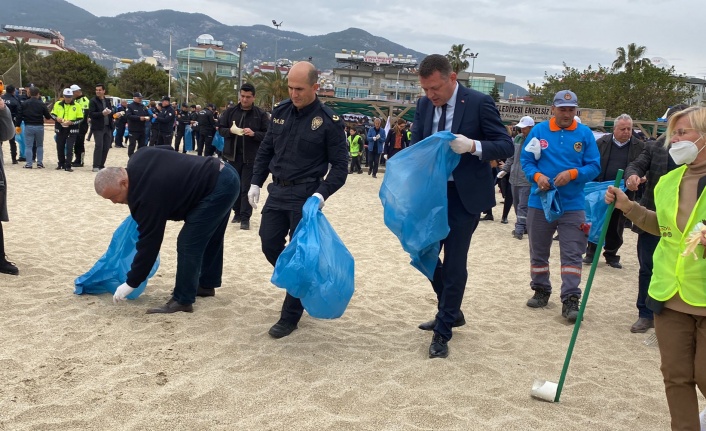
(304,137)
(68,116)
(79,147)
(136,116)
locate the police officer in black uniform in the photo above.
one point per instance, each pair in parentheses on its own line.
(304,137)
(165,122)
(183,119)
(136,116)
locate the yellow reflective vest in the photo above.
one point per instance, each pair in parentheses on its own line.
(67,111)
(673,273)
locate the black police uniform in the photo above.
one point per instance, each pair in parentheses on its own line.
(297,149)
(15,107)
(135,126)
(207,128)
(165,121)
(183,119)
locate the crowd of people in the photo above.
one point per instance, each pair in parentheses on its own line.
(309,152)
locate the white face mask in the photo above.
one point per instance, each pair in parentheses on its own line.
(684,152)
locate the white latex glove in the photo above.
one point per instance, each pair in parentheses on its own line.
(385,156)
(236,130)
(501,174)
(122,292)
(535,148)
(462,144)
(254,196)
(375,138)
(321,199)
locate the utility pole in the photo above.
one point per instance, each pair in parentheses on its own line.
(241,52)
(470,80)
(277,26)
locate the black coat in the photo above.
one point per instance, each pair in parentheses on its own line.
(255,119)
(95,113)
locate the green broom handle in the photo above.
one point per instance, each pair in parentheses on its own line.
(587,290)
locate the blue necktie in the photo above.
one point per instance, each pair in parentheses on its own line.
(442,119)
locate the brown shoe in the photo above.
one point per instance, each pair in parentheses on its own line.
(642,325)
(171,307)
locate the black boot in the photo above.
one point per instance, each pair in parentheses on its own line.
(7,267)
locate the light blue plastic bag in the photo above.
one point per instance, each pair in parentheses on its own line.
(111,269)
(596,207)
(413,195)
(316,266)
(20,140)
(188,143)
(218,141)
(551,203)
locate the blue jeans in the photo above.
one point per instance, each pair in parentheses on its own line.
(34,134)
(200,242)
(646,246)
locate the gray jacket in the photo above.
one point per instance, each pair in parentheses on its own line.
(7,131)
(517,175)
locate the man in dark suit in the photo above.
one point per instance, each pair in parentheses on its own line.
(481,137)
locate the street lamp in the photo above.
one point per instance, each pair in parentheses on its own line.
(277,26)
(241,52)
(397,83)
(473,56)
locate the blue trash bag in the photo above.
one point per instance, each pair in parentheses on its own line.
(596,207)
(188,143)
(316,266)
(218,141)
(20,140)
(413,195)
(551,204)
(111,269)
(125,134)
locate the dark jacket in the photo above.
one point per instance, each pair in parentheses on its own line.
(165,120)
(605,143)
(183,119)
(653,161)
(207,123)
(255,119)
(34,111)
(95,113)
(134,112)
(15,107)
(390,142)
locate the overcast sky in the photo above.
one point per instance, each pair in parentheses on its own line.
(520,39)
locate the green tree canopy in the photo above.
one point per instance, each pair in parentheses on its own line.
(145,78)
(62,69)
(643,93)
(630,59)
(458,57)
(495,93)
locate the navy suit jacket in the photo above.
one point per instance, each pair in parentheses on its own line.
(476,117)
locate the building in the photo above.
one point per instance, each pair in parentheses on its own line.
(381,76)
(699,87)
(376,76)
(207,56)
(43,40)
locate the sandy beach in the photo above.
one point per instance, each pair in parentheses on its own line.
(72,362)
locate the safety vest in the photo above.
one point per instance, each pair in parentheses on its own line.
(673,272)
(354,145)
(83,102)
(71,112)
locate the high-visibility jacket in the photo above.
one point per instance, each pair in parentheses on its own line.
(355,145)
(673,273)
(68,111)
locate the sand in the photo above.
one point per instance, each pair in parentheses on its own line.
(72,362)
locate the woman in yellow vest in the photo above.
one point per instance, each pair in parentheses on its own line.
(677,292)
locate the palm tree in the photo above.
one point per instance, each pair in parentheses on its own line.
(457,56)
(630,59)
(268,85)
(211,88)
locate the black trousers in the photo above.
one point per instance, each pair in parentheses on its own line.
(177,140)
(355,163)
(506,189)
(164,139)
(613,239)
(154,137)
(119,135)
(276,224)
(450,276)
(64,144)
(205,148)
(374,162)
(242,206)
(79,146)
(135,138)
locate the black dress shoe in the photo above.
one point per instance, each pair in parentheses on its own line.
(7,267)
(429,326)
(171,307)
(439,347)
(615,264)
(281,329)
(245,225)
(205,291)
(236,218)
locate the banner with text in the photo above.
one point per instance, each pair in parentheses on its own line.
(512,112)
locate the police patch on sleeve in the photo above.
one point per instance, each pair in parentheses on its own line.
(316,122)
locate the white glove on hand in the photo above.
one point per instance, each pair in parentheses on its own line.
(462,144)
(236,130)
(375,138)
(122,292)
(535,148)
(501,174)
(385,156)
(254,196)
(321,199)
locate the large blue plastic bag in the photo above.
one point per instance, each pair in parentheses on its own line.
(551,203)
(218,141)
(316,266)
(413,195)
(188,143)
(596,207)
(111,269)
